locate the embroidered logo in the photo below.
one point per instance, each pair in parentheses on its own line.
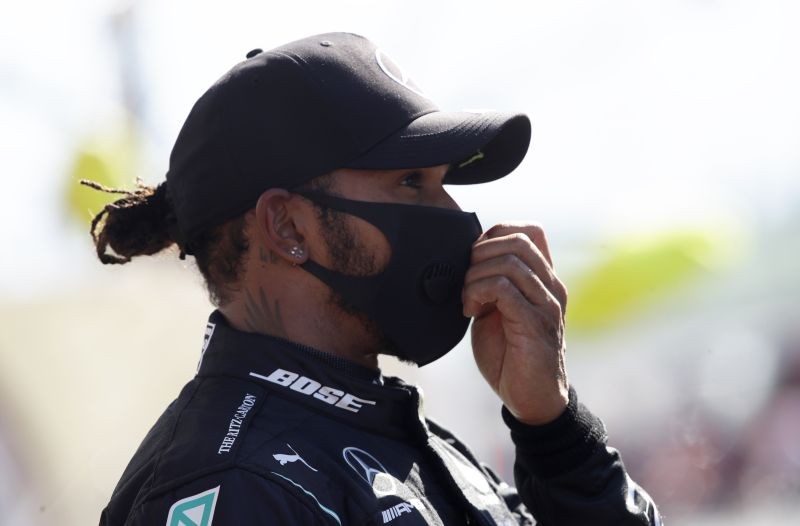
(235,425)
(395,511)
(197,510)
(306,386)
(286,458)
(396,73)
(370,470)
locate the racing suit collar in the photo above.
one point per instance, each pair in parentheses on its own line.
(325,383)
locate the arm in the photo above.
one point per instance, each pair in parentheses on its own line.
(564,471)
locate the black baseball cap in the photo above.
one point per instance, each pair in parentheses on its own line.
(283,117)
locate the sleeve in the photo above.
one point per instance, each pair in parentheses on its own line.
(565,473)
(235,496)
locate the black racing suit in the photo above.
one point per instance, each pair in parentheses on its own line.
(271,432)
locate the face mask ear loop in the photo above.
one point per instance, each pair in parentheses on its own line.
(378,215)
(375,214)
(360,288)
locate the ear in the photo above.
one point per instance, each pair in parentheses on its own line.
(278,229)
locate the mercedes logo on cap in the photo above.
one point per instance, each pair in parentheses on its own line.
(369,468)
(396,73)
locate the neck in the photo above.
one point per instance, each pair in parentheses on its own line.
(282,308)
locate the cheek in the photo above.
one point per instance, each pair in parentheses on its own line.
(350,245)
(371,241)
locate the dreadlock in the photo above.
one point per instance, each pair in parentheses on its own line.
(143,223)
(133,225)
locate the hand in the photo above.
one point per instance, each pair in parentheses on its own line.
(518,331)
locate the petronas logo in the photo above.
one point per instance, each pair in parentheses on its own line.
(197,510)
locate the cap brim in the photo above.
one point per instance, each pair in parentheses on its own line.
(480,147)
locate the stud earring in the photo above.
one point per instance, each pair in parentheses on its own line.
(296,252)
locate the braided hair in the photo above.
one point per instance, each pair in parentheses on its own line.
(142,223)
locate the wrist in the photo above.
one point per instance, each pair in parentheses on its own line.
(543,410)
(558,446)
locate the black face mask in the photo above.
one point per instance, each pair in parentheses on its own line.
(416,299)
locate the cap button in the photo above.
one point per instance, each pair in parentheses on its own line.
(254,52)
(326,43)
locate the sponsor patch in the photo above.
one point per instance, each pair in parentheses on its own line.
(396,73)
(285,458)
(390,514)
(235,425)
(307,386)
(197,510)
(370,470)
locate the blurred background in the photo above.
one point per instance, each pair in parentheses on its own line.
(665,168)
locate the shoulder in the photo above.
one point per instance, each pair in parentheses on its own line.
(228,442)
(233,496)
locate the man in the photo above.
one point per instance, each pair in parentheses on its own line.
(308,184)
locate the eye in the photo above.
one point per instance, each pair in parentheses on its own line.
(412,180)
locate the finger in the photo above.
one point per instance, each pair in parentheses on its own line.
(520,275)
(520,246)
(534,232)
(479,296)
(508,299)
